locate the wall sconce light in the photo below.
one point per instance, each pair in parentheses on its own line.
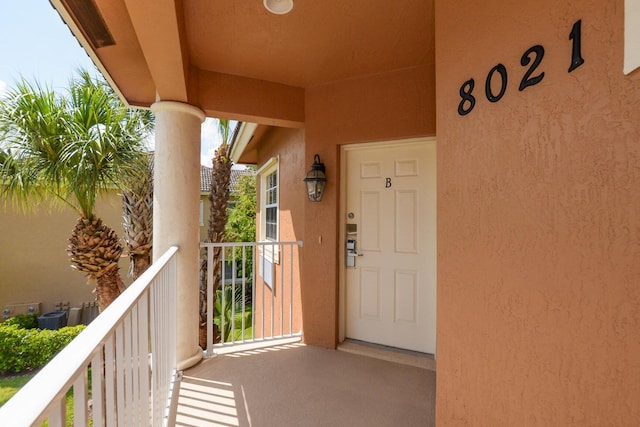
(316,180)
(279,7)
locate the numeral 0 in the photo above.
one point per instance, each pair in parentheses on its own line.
(468,101)
(487,84)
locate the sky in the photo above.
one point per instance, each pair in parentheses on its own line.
(36,44)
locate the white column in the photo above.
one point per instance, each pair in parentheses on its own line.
(176,212)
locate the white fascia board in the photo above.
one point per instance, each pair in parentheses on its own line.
(242,140)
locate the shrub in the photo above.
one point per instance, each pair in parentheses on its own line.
(24,321)
(27,349)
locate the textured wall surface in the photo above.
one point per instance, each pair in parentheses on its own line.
(288,146)
(34,266)
(375,108)
(538,219)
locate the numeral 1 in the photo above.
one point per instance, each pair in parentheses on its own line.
(576,53)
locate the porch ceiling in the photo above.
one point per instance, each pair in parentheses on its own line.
(211,52)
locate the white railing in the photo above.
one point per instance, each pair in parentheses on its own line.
(257,299)
(129,353)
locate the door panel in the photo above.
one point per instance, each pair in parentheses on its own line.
(406,224)
(370,293)
(390,202)
(406,287)
(371,207)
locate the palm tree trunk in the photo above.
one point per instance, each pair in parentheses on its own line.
(219,198)
(108,287)
(137,215)
(94,249)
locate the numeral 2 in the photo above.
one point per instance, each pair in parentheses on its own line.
(527,80)
(532,56)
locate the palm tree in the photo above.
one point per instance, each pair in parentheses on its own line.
(220,183)
(67,150)
(137,215)
(219,199)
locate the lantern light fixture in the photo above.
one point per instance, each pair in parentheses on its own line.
(316,180)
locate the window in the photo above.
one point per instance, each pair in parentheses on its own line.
(269,218)
(271,206)
(269,201)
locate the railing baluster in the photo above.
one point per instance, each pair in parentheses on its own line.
(80,400)
(156,357)
(135,366)
(222,299)
(233,297)
(143,346)
(263,288)
(291,249)
(244,289)
(270,261)
(58,413)
(97,389)
(254,286)
(210,297)
(110,393)
(280,249)
(116,348)
(272,270)
(128,371)
(119,362)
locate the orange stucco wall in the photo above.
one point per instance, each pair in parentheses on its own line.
(34,265)
(375,108)
(288,146)
(538,220)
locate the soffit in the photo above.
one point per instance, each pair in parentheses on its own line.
(163,48)
(316,43)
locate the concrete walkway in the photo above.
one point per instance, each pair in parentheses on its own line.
(297,385)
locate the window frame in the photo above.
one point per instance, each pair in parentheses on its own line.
(201,212)
(271,253)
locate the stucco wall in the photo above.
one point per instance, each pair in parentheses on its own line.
(538,219)
(34,265)
(375,108)
(288,146)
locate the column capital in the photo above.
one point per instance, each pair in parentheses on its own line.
(177,107)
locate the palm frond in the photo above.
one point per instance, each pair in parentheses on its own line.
(73,147)
(224,131)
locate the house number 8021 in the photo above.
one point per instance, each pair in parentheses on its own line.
(531,59)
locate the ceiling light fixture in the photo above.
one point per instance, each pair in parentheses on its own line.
(279,7)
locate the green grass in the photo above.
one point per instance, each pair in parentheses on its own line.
(10,386)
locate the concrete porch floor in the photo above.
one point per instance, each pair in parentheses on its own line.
(298,385)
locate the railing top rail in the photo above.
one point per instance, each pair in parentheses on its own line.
(57,376)
(231,244)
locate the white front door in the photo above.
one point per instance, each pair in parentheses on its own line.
(390,214)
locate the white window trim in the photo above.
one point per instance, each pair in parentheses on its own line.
(271,253)
(201,213)
(631,35)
